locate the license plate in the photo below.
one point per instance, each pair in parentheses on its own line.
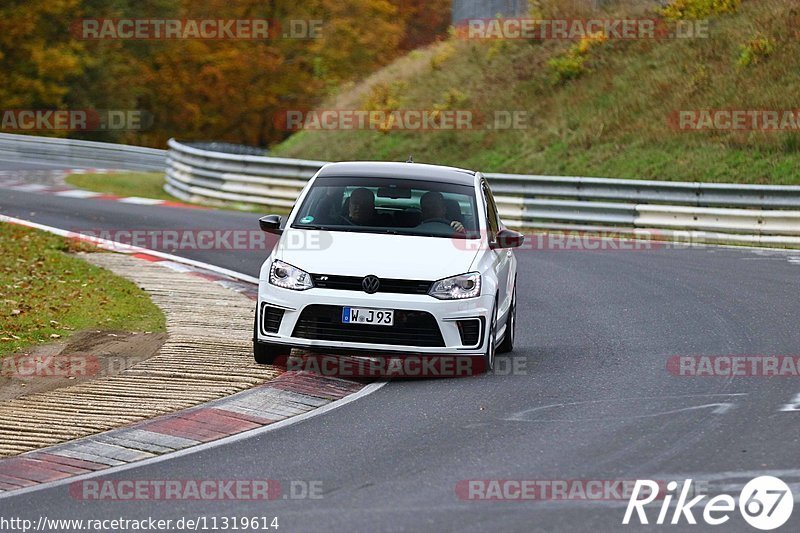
(365,315)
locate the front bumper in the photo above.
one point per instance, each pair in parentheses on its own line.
(447,314)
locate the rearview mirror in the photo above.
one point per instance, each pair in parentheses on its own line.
(271,224)
(394,192)
(507,238)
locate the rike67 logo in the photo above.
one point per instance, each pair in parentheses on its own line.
(766,503)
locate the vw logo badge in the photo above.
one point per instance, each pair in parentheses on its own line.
(371,284)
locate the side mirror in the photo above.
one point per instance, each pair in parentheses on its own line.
(271,224)
(507,238)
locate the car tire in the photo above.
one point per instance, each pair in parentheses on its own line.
(266,353)
(488,357)
(511,323)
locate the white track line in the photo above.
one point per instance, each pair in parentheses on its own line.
(140,201)
(127,248)
(78,193)
(31,187)
(369,389)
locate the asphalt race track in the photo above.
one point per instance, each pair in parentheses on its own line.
(592,398)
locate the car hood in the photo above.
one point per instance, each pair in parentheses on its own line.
(386,256)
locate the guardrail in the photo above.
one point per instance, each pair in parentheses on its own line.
(699,212)
(77,153)
(196,175)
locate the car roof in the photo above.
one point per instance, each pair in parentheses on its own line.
(417,171)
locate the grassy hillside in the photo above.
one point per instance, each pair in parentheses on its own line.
(596,109)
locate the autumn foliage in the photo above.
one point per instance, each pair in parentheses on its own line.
(227,89)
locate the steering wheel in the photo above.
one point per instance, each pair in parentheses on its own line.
(437,221)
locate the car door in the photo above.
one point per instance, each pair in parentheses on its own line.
(501,258)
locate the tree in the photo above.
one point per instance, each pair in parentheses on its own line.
(38,58)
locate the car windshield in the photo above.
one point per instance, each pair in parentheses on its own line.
(389,206)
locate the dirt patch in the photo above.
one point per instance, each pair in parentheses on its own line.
(87,355)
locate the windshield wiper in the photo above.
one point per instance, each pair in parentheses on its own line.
(349,229)
(313,226)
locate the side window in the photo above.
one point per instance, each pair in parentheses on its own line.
(492,220)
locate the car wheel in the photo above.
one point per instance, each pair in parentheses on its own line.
(511,322)
(264,353)
(488,357)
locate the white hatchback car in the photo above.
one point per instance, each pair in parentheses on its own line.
(389,259)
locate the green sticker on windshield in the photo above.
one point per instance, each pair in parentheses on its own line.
(307,219)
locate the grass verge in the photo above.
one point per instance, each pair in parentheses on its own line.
(141,184)
(46,294)
(150,185)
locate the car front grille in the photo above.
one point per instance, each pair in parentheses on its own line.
(411,328)
(353,283)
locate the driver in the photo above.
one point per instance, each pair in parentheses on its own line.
(362,207)
(434,209)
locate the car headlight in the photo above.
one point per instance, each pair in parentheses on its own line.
(288,277)
(457,287)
